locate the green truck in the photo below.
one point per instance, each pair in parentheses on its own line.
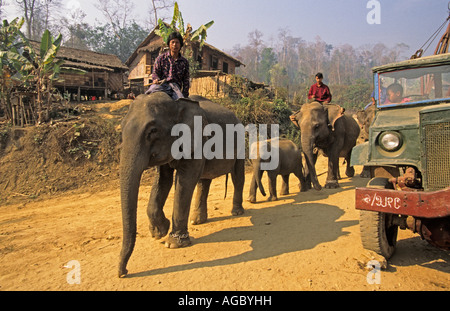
(408,155)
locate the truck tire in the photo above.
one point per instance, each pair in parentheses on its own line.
(378,233)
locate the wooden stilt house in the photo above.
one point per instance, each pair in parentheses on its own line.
(104,77)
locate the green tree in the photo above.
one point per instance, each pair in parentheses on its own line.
(41,69)
(12,41)
(121,42)
(189,36)
(268,60)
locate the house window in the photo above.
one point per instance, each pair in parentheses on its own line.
(214,63)
(148,58)
(225,67)
(199,62)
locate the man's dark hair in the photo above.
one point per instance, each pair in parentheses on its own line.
(175,35)
(319,75)
(395,87)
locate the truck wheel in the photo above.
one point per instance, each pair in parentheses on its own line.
(378,233)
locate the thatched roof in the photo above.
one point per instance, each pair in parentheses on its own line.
(236,61)
(85,59)
(150,44)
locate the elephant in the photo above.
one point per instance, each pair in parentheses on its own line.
(289,161)
(364,118)
(326,127)
(147,141)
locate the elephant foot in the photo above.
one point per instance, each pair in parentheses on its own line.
(160,231)
(251,199)
(303,188)
(175,240)
(123,273)
(332,184)
(317,187)
(198,219)
(365,172)
(286,192)
(272,198)
(350,172)
(236,211)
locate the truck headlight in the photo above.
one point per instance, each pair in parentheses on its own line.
(390,141)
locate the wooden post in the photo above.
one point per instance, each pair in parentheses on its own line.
(106,85)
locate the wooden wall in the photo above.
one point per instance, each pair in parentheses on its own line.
(94,79)
(213,86)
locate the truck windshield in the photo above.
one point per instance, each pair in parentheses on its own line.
(417,85)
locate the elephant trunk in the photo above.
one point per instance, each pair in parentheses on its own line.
(308,151)
(131,169)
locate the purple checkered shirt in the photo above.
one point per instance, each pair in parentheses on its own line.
(173,71)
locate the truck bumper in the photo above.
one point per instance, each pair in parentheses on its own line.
(434,204)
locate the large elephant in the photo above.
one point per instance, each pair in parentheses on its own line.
(147,141)
(289,161)
(326,127)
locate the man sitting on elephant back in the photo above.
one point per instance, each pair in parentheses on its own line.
(319,91)
(171,70)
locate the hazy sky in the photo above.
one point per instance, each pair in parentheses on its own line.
(336,21)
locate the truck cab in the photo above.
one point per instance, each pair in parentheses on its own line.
(408,155)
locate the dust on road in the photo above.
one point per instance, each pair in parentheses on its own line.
(304,241)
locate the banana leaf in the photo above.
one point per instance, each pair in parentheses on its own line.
(46,43)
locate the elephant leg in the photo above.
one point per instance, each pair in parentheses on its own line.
(303,186)
(349,171)
(252,193)
(272,186)
(285,185)
(307,179)
(365,172)
(238,179)
(188,175)
(162,183)
(333,168)
(199,214)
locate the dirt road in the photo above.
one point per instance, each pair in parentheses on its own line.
(304,241)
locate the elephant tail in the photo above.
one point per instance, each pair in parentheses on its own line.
(258,175)
(226,186)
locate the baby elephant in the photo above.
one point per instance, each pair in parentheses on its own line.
(289,161)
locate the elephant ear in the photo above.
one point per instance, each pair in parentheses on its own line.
(298,117)
(187,108)
(188,112)
(334,113)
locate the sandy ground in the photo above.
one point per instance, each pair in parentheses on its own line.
(305,241)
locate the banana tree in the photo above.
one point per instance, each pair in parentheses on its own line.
(189,36)
(41,69)
(12,41)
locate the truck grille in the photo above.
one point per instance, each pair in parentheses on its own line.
(437,157)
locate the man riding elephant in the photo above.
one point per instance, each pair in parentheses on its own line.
(171,70)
